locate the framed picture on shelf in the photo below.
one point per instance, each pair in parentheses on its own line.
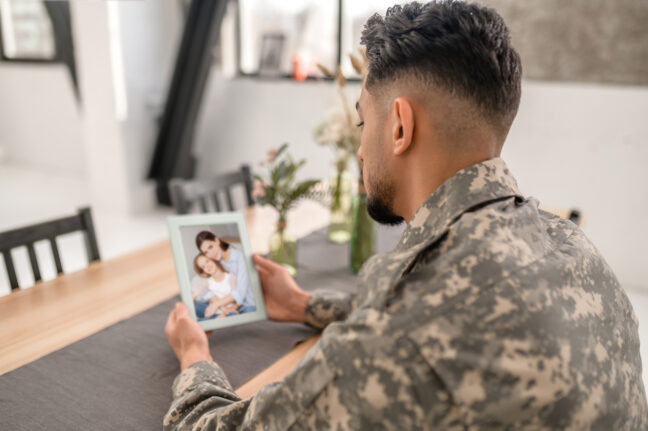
(271,54)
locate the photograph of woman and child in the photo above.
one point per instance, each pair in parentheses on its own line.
(221,285)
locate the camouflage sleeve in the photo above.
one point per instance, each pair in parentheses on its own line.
(324,307)
(204,399)
(374,382)
(199,390)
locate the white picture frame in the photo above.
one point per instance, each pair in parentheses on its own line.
(229,226)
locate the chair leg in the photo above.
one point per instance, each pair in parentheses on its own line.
(217,205)
(34,262)
(11,271)
(230,202)
(90,237)
(247,178)
(203,204)
(57,256)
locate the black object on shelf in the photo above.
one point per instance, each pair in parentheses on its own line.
(172,157)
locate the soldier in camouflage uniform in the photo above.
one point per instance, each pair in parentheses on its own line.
(488,314)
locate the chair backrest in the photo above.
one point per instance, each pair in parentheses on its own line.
(575,216)
(186,193)
(28,235)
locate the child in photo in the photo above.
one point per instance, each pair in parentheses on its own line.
(213,299)
(232,260)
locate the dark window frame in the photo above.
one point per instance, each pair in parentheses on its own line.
(288,76)
(60,17)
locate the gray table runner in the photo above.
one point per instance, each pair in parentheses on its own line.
(120,378)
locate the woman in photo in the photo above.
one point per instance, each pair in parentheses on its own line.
(233,261)
(214,300)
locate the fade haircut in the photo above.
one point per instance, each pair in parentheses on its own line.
(460,48)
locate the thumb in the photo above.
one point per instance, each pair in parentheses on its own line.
(264,263)
(262,271)
(181,310)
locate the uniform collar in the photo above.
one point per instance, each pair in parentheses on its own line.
(469,188)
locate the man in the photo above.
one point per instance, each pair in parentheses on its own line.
(489,313)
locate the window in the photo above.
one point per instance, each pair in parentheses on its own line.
(289,38)
(354,16)
(36,31)
(27,31)
(286,38)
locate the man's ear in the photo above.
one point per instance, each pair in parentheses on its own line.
(403,130)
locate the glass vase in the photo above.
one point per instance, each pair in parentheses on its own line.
(341,199)
(363,233)
(283,248)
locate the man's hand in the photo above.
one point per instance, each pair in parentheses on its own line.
(284,300)
(187,339)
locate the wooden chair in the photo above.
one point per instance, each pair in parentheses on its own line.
(27,236)
(575,217)
(573,214)
(186,193)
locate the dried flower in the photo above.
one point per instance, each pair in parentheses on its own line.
(339,129)
(340,79)
(258,189)
(359,64)
(272,153)
(325,70)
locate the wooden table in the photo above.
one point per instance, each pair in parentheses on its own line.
(53,314)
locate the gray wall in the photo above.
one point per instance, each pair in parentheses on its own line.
(598,41)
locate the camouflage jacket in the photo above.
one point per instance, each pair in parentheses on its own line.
(489,314)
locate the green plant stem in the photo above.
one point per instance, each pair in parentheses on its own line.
(337,193)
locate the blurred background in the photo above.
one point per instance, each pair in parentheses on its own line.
(102,102)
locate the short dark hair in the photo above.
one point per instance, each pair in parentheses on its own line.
(461,48)
(205,235)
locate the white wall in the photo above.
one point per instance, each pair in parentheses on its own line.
(586,146)
(39,117)
(150,35)
(125,52)
(42,125)
(570,146)
(242,118)
(102,147)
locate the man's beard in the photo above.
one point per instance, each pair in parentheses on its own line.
(379,204)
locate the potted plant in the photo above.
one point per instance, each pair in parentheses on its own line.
(282,191)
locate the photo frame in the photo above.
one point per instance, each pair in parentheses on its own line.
(218,280)
(271,54)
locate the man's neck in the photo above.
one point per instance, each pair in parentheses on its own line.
(422,187)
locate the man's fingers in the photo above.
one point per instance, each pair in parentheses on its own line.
(180,310)
(266,264)
(171,320)
(262,271)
